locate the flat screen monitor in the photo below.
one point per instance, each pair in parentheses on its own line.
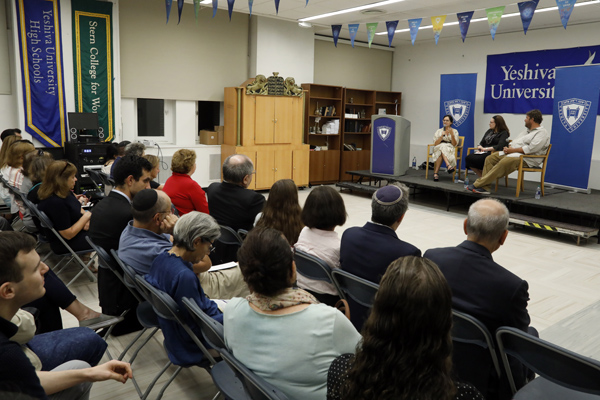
(83,121)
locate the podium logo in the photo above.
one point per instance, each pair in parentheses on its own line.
(573,112)
(384,132)
(459,109)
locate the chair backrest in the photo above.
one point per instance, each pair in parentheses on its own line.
(229,236)
(358,289)
(212,330)
(129,275)
(474,353)
(165,307)
(314,268)
(552,362)
(256,387)
(96,179)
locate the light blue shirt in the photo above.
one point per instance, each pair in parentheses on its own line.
(139,247)
(293,352)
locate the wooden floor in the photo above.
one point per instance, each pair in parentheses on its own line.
(563,280)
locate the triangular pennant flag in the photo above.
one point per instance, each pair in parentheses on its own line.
(371,28)
(215,4)
(494,15)
(196,8)
(230,7)
(391,29)
(306,3)
(464,20)
(168,3)
(250,2)
(413,25)
(438,24)
(565,8)
(526,9)
(353,29)
(179,10)
(277,7)
(335,30)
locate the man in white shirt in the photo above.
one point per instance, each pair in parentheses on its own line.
(534,141)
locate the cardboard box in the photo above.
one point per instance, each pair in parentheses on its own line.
(209,137)
(220,133)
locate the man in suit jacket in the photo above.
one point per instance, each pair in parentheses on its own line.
(230,202)
(109,218)
(368,251)
(481,287)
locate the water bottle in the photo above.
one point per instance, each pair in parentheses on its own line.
(414,163)
(538,193)
(466,181)
(455,177)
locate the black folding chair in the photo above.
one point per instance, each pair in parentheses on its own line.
(70,255)
(167,308)
(474,354)
(256,387)
(97,181)
(359,293)
(563,373)
(314,268)
(226,246)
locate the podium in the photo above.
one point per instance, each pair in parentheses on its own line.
(390,145)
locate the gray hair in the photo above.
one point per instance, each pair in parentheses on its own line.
(136,148)
(487,220)
(388,214)
(192,226)
(236,167)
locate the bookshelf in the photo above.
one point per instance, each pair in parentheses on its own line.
(359,105)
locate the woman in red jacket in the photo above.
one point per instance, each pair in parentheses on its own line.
(185,193)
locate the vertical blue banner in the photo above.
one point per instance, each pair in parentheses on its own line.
(457,98)
(573,125)
(384,140)
(40,48)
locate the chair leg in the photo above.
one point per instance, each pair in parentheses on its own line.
(426,168)
(135,353)
(497,179)
(506,181)
(519,183)
(542,182)
(156,378)
(166,385)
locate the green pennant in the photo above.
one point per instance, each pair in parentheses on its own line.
(371,28)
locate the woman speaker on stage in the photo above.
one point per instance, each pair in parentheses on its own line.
(495,139)
(445,140)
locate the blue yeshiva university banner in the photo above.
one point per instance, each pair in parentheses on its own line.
(573,125)
(457,98)
(42,70)
(518,82)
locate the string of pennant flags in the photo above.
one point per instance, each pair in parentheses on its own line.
(215,4)
(494,15)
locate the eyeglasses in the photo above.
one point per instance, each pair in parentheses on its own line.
(212,246)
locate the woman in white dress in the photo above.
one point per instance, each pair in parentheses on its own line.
(445,140)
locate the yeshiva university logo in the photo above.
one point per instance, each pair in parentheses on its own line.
(459,109)
(573,112)
(384,132)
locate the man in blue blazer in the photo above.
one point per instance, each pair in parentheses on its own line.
(367,251)
(481,287)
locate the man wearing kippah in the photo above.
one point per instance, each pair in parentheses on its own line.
(367,251)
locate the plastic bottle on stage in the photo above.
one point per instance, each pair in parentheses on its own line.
(538,193)
(466,180)
(455,177)
(414,163)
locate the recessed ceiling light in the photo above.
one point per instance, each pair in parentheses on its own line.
(353,9)
(372,12)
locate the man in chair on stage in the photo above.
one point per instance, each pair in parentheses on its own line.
(534,141)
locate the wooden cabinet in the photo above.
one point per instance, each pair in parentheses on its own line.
(269,130)
(324,166)
(354,161)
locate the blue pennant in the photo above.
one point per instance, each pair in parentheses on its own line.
(230,7)
(277,7)
(335,29)
(215,4)
(168,3)
(250,6)
(391,29)
(179,10)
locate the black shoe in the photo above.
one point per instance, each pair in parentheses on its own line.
(436,177)
(450,170)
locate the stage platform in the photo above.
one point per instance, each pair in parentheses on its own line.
(557,207)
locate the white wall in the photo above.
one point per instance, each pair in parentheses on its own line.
(281,46)
(417,71)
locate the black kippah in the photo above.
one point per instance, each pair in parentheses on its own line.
(145,199)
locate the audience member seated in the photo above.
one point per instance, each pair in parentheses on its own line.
(280,332)
(63,208)
(4,150)
(481,287)
(13,170)
(112,152)
(231,203)
(367,251)
(148,235)
(172,272)
(10,132)
(185,193)
(22,281)
(120,154)
(110,217)
(282,211)
(445,141)
(37,172)
(406,348)
(30,168)
(323,210)
(495,139)
(155,161)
